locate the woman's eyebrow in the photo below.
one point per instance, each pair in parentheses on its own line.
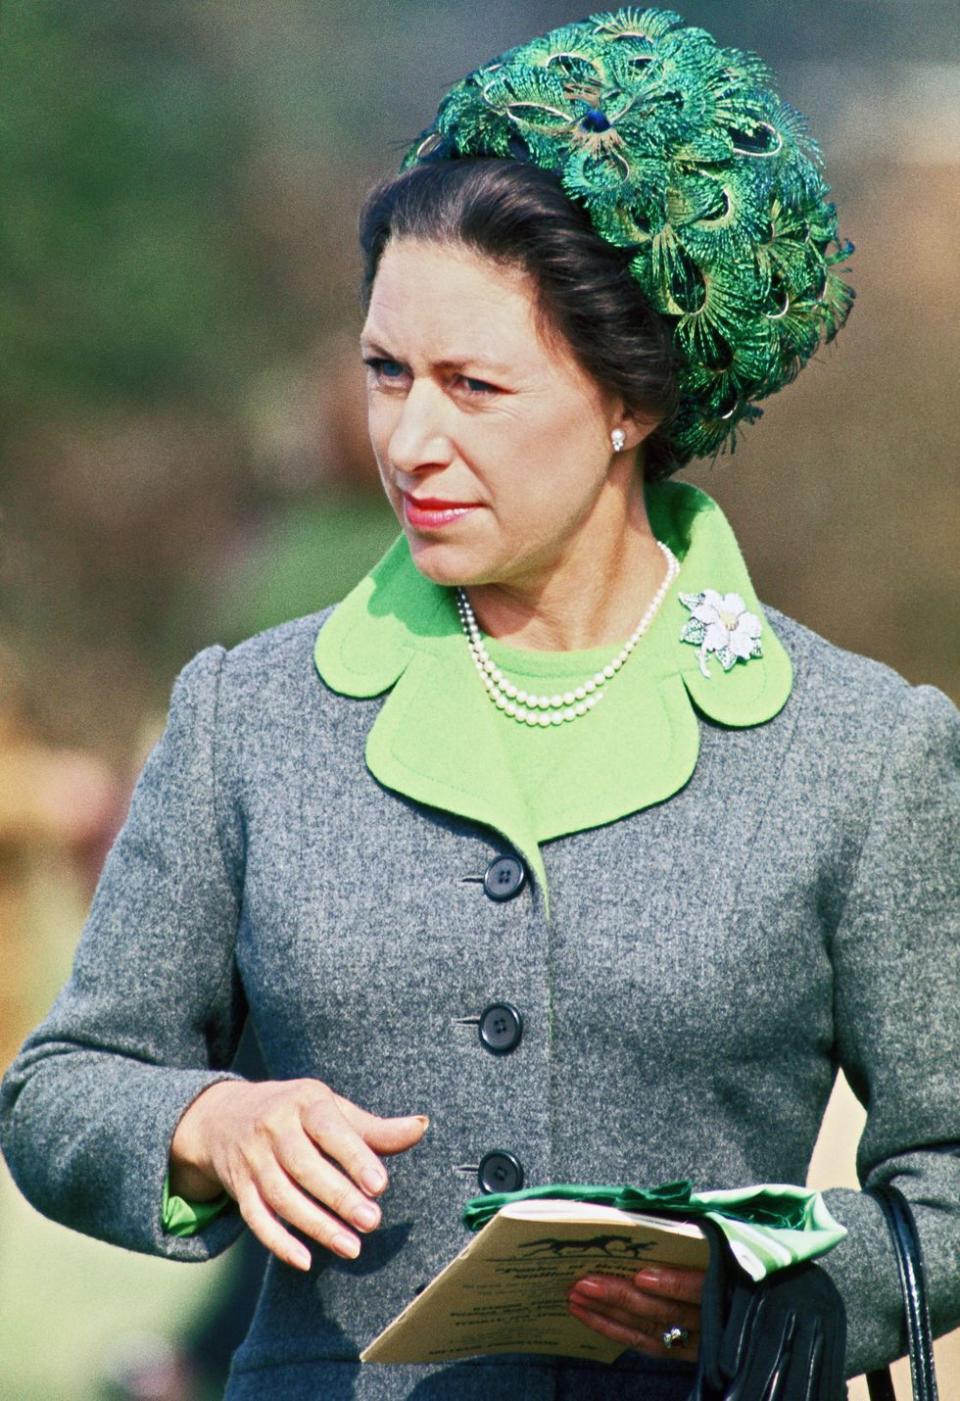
(368,343)
(479,362)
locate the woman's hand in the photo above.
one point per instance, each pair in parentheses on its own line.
(275,1147)
(639,1310)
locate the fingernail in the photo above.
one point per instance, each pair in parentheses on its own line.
(347,1245)
(421,1119)
(373,1179)
(366,1215)
(589,1286)
(650,1276)
(302,1260)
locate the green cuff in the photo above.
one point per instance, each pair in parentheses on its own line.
(183,1218)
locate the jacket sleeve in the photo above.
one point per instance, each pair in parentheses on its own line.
(153,1009)
(896,957)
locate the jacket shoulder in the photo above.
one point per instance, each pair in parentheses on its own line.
(842,696)
(273,659)
(272,644)
(261,685)
(834,673)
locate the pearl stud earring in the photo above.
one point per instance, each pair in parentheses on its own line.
(618,438)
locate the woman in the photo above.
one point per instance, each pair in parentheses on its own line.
(633,948)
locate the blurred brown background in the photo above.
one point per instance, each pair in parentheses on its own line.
(183,456)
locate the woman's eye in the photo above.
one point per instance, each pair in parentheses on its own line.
(478,386)
(392,372)
(385,369)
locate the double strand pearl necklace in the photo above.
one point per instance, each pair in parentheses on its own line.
(554,710)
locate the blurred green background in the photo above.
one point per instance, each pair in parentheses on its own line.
(183,455)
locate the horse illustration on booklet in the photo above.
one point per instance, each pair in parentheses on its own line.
(597,1245)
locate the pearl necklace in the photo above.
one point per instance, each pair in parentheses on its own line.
(554,710)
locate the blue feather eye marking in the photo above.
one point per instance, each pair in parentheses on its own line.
(595,120)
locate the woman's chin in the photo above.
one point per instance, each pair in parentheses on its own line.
(445,563)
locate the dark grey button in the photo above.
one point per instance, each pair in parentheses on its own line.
(500,1171)
(504,878)
(501,1027)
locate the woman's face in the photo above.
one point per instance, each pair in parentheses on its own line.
(469,404)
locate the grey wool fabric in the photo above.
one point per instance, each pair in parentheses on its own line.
(708,964)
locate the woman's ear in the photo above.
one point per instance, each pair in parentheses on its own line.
(635,427)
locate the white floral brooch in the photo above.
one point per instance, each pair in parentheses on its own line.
(720,623)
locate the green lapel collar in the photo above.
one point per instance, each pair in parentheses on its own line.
(438,740)
(430,740)
(695,528)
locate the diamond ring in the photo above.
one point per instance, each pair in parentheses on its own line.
(675,1336)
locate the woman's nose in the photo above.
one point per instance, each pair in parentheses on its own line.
(420,436)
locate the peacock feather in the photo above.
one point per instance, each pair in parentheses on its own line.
(683,155)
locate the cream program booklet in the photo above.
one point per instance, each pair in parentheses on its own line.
(507,1289)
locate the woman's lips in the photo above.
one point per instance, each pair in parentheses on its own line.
(421,516)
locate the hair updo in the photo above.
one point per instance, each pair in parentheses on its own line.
(518,214)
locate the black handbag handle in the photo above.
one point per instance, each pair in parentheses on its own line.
(906,1241)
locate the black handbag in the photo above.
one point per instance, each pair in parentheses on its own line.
(906,1241)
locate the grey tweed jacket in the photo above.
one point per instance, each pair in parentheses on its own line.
(707,965)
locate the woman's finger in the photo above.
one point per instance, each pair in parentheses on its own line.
(672,1282)
(330,1121)
(611,1295)
(642,1317)
(288,1202)
(628,1318)
(268,1230)
(644,1337)
(385,1135)
(301,1159)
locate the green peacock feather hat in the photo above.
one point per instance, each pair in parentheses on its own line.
(684,156)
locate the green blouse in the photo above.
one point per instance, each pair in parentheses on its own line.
(399,632)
